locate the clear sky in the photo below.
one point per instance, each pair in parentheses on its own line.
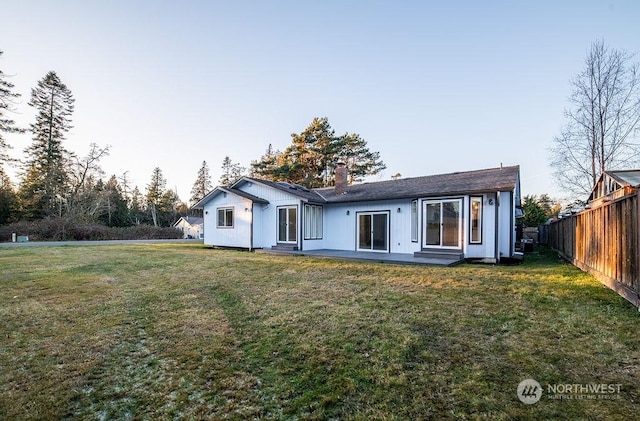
(434,86)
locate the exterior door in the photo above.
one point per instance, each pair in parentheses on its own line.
(442,223)
(373,231)
(288,224)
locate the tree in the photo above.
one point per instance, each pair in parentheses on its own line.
(537,210)
(84,199)
(602,123)
(359,159)
(114,210)
(311,158)
(268,165)
(45,183)
(7,125)
(137,207)
(231,172)
(155,190)
(8,199)
(202,185)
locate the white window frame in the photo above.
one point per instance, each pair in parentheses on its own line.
(313,222)
(479,200)
(224,222)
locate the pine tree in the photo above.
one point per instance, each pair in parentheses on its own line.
(45,183)
(311,158)
(8,199)
(269,166)
(7,125)
(231,172)
(155,190)
(202,185)
(359,159)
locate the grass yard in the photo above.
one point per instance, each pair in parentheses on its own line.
(179,331)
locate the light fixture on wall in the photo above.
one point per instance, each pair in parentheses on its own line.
(206,212)
(348,212)
(490,202)
(398,210)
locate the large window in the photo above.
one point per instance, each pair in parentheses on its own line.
(225,218)
(312,222)
(476,220)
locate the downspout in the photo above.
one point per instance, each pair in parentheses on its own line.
(300,225)
(251,224)
(497,235)
(512,222)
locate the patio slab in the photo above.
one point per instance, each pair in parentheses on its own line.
(395,258)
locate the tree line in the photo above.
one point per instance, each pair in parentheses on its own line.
(56,182)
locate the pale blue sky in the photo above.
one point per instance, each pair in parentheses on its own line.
(435,87)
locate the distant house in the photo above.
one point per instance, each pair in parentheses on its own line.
(614,184)
(190,226)
(469,215)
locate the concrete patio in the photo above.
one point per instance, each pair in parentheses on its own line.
(393,258)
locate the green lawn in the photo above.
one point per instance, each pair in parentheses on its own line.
(180,331)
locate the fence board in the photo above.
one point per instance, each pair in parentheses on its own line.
(604,241)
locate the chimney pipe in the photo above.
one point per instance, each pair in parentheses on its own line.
(341,178)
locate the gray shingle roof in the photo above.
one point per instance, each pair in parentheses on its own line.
(468,182)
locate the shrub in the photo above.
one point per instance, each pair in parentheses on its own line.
(63,229)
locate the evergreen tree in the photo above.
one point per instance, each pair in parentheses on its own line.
(155,190)
(7,125)
(114,212)
(231,172)
(137,207)
(359,159)
(268,164)
(311,158)
(8,199)
(45,183)
(202,185)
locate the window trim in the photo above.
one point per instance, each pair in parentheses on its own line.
(225,223)
(311,212)
(472,200)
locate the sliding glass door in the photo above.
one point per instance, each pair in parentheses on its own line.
(373,231)
(442,223)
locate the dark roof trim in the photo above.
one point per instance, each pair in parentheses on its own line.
(229,190)
(303,193)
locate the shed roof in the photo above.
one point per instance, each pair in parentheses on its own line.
(626,177)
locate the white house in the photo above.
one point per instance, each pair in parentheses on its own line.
(470,215)
(191,227)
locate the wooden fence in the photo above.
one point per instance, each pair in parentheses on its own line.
(604,241)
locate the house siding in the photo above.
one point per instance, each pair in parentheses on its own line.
(266,216)
(237,236)
(506,224)
(340,228)
(486,249)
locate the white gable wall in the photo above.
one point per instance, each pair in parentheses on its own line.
(506,221)
(266,216)
(237,236)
